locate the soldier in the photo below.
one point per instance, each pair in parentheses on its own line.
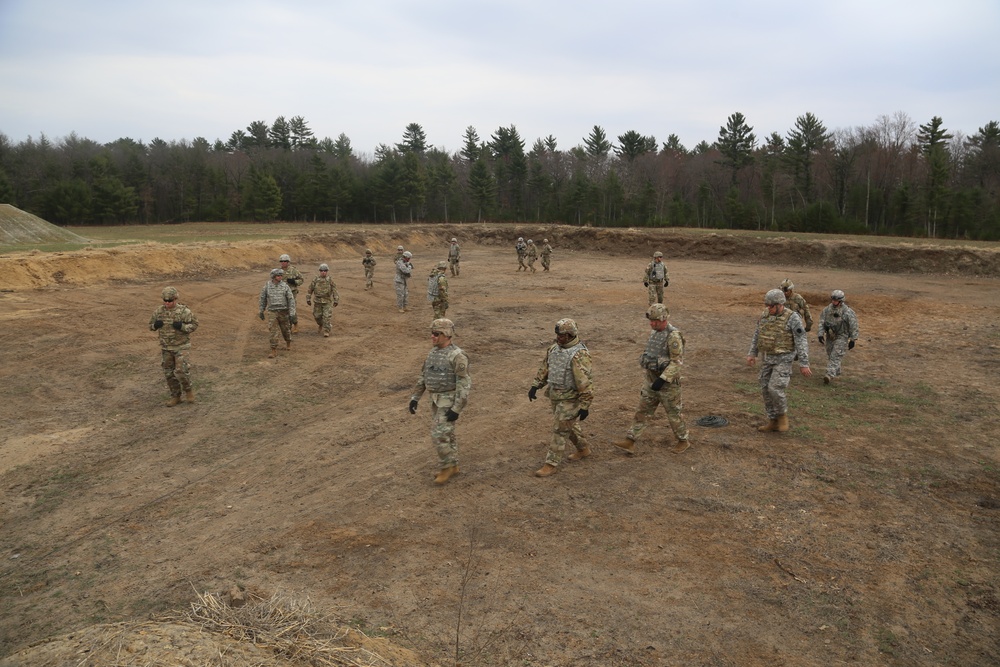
(797,303)
(327,298)
(546,254)
(532,253)
(445,375)
(781,337)
(369,263)
(277,300)
(838,329)
(403,271)
(662,360)
(294,280)
(454,256)
(437,289)
(399,254)
(656,278)
(176,323)
(566,369)
(522,251)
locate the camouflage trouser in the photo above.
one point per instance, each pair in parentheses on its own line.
(369,275)
(443,431)
(775,374)
(453,265)
(531,264)
(565,429)
(520,263)
(545,262)
(440,308)
(175,368)
(279,326)
(401,294)
(655,293)
(670,398)
(323,314)
(836,348)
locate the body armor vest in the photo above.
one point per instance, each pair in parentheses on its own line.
(433,288)
(835,323)
(560,366)
(656,356)
(656,272)
(774,336)
(322,288)
(439,374)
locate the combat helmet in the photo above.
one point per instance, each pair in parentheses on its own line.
(324,267)
(169,294)
(567,326)
(277,272)
(786,285)
(442,265)
(284,258)
(368,251)
(445,326)
(658,312)
(837,294)
(407,254)
(657,254)
(774,297)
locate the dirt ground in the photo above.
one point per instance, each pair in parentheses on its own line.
(868,534)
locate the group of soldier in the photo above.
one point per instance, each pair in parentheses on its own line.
(779,340)
(527,254)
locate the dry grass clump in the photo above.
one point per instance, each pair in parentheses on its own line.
(288,628)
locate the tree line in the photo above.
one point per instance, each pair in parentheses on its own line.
(892,177)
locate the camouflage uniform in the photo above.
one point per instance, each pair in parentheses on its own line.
(795,301)
(175,326)
(277,300)
(546,254)
(454,257)
(445,374)
(437,290)
(403,272)
(781,338)
(838,328)
(324,297)
(567,370)
(662,360)
(522,252)
(656,278)
(369,263)
(532,253)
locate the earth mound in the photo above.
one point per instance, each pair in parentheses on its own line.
(19,227)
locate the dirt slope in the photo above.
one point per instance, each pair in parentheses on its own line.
(866,535)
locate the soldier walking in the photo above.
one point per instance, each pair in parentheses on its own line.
(294,280)
(369,263)
(445,374)
(522,252)
(662,360)
(546,254)
(437,290)
(277,300)
(795,302)
(656,278)
(454,257)
(567,370)
(403,272)
(323,291)
(176,323)
(838,329)
(532,253)
(781,338)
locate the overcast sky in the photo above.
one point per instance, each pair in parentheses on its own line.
(181,69)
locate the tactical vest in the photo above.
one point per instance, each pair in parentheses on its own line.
(433,287)
(453,251)
(169,336)
(657,272)
(773,336)
(439,373)
(322,288)
(658,347)
(278,296)
(835,323)
(561,367)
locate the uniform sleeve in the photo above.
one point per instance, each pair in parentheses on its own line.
(335,293)
(675,348)
(584,378)
(291,301)
(753,352)
(822,321)
(263,299)
(806,314)
(801,339)
(190,321)
(152,319)
(855,331)
(421,386)
(312,287)
(463,382)
(542,376)
(443,288)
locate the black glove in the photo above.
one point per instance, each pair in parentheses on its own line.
(531,393)
(158,324)
(451,415)
(666,283)
(645,283)
(583,414)
(658,384)
(178,325)
(413,406)
(821,341)
(809,327)
(261,314)
(309,302)
(294,319)
(850,345)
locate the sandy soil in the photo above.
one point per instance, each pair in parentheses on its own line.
(868,534)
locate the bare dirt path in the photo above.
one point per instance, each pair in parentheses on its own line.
(866,535)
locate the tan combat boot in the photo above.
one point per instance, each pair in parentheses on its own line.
(445,474)
(771,425)
(274,353)
(295,328)
(626,445)
(288,344)
(681,446)
(326,334)
(579,454)
(782,424)
(546,470)
(189,396)
(174,400)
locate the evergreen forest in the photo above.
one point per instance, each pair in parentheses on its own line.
(894,177)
